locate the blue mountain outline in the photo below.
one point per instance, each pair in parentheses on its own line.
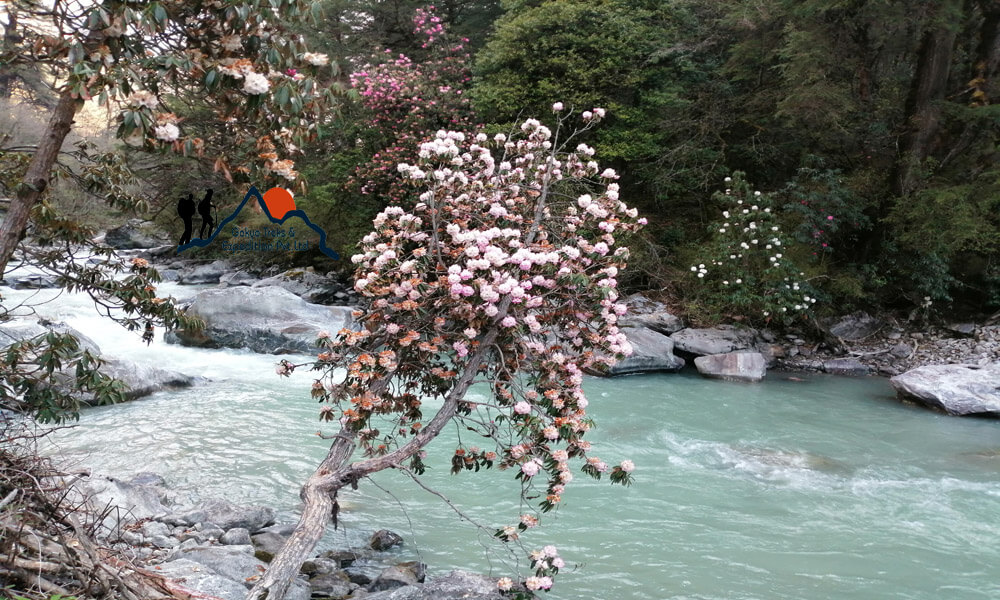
(254,193)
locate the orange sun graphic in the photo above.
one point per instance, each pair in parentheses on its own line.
(279,201)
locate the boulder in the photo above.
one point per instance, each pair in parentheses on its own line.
(225,515)
(383,539)
(136,233)
(310,286)
(732,366)
(268,320)
(32,282)
(207,273)
(143,380)
(200,581)
(846,366)
(456,585)
(131,502)
(643,312)
(334,584)
(398,576)
(714,340)
(651,351)
(966,330)
(953,389)
(269,540)
(853,327)
(237,536)
(232,562)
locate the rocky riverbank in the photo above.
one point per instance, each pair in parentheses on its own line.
(217,549)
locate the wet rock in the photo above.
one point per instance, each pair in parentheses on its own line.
(853,327)
(208,273)
(901,350)
(136,233)
(335,584)
(263,319)
(398,576)
(33,282)
(238,278)
(643,312)
(732,366)
(143,379)
(954,389)
(715,340)
(310,286)
(651,351)
(383,539)
(226,515)
(233,562)
(846,366)
(456,585)
(343,558)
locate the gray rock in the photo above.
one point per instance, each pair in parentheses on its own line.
(33,282)
(164,541)
(153,528)
(853,327)
(901,350)
(237,536)
(143,380)
(130,503)
(263,319)
(643,312)
(335,584)
(147,478)
(309,285)
(651,351)
(383,539)
(846,366)
(200,580)
(208,273)
(456,585)
(232,562)
(343,558)
(732,366)
(227,515)
(962,329)
(269,540)
(206,534)
(136,233)
(954,389)
(238,278)
(398,576)
(716,340)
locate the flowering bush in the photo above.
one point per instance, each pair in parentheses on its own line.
(498,274)
(408,101)
(748,273)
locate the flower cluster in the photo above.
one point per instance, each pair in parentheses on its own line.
(411,101)
(749,274)
(498,271)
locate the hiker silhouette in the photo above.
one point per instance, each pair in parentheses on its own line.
(185,209)
(205,210)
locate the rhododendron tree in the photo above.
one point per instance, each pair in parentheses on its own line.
(505,273)
(232,57)
(408,101)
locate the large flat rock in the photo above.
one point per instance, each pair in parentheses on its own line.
(714,340)
(733,366)
(651,351)
(267,319)
(954,389)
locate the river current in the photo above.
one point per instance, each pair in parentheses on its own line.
(824,488)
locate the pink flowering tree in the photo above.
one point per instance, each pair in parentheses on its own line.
(504,273)
(408,100)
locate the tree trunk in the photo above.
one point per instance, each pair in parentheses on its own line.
(927,91)
(10,41)
(334,473)
(36,179)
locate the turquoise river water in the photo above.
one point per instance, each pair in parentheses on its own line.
(825,488)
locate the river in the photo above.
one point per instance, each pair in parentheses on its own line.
(824,488)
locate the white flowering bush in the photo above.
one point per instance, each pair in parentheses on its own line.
(505,271)
(747,273)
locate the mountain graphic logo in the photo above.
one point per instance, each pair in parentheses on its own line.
(279,206)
